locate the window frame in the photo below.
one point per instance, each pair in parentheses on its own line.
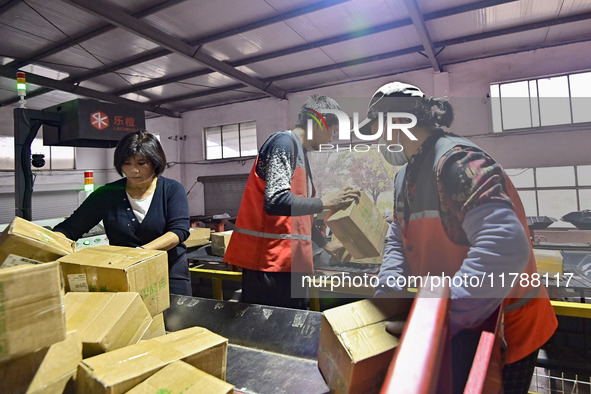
(48,159)
(221,146)
(535,114)
(577,188)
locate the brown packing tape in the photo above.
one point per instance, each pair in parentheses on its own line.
(180,377)
(120,370)
(30,320)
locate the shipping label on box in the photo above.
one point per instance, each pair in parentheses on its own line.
(13,260)
(180,377)
(48,370)
(31,309)
(360,228)
(219,242)
(196,346)
(106,321)
(27,239)
(109,268)
(355,349)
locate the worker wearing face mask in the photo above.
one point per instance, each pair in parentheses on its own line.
(457,214)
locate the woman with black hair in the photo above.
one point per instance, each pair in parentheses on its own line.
(458,216)
(143,209)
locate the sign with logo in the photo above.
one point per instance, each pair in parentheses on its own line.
(91,123)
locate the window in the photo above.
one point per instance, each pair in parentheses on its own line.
(233,140)
(56,157)
(541,102)
(553,191)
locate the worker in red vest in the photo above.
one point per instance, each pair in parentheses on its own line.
(272,240)
(458,216)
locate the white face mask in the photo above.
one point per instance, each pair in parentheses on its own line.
(394,158)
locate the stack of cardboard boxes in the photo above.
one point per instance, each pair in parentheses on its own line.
(111,313)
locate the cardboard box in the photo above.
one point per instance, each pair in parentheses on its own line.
(49,370)
(31,309)
(180,377)
(360,228)
(196,346)
(156,328)
(106,321)
(108,268)
(26,239)
(219,242)
(198,236)
(347,257)
(549,261)
(355,349)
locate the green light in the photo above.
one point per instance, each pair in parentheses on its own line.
(86,242)
(89,188)
(21,86)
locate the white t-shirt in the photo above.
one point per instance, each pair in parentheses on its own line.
(140,207)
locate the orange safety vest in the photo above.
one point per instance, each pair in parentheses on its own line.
(272,243)
(529,319)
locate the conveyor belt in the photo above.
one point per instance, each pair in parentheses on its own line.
(271,349)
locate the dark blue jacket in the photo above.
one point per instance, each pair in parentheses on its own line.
(169,211)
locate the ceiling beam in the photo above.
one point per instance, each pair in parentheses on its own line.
(515,29)
(159,52)
(309,45)
(71,41)
(5,5)
(154,53)
(117,17)
(405,51)
(417,19)
(10,72)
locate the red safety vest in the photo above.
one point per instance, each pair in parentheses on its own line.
(529,317)
(272,243)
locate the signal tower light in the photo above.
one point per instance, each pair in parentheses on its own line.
(21,88)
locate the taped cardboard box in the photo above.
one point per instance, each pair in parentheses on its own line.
(156,328)
(106,321)
(31,309)
(549,262)
(360,228)
(219,242)
(355,349)
(109,268)
(26,239)
(49,370)
(196,346)
(198,236)
(180,377)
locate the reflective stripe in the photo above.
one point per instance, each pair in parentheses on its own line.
(272,235)
(424,215)
(523,300)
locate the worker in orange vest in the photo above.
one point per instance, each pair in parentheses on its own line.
(272,240)
(457,215)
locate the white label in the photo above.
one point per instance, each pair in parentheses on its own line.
(13,260)
(78,282)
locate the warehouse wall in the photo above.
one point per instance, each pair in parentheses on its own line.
(467,84)
(270,115)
